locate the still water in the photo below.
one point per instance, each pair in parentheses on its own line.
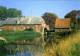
(21,50)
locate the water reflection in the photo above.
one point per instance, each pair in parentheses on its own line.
(25,53)
(3,51)
(21,50)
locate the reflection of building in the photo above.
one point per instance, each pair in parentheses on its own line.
(23,23)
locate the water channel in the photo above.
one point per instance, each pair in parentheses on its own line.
(21,50)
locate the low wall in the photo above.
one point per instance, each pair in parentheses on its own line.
(35,27)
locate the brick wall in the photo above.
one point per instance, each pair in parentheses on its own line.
(35,27)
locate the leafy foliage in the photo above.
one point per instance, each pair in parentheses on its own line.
(9,12)
(3,12)
(12,12)
(75,18)
(49,18)
(2,43)
(75,50)
(73,15)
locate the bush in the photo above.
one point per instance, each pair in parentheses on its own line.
(75,51)
(2,42)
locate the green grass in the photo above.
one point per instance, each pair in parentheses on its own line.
(19,35)
(75,50)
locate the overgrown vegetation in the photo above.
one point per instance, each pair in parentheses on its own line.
(70,46)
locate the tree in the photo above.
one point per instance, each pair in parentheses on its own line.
(3,12)
(12,12)
(72,15)
(49,19)
(75,17)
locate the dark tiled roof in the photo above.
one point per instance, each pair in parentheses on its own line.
(23,20)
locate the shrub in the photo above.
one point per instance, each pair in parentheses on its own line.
(2,42)
(75,51)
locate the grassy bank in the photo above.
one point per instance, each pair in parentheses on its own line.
(19,35)
(70,46)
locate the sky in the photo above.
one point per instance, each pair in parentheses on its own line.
(39,7)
